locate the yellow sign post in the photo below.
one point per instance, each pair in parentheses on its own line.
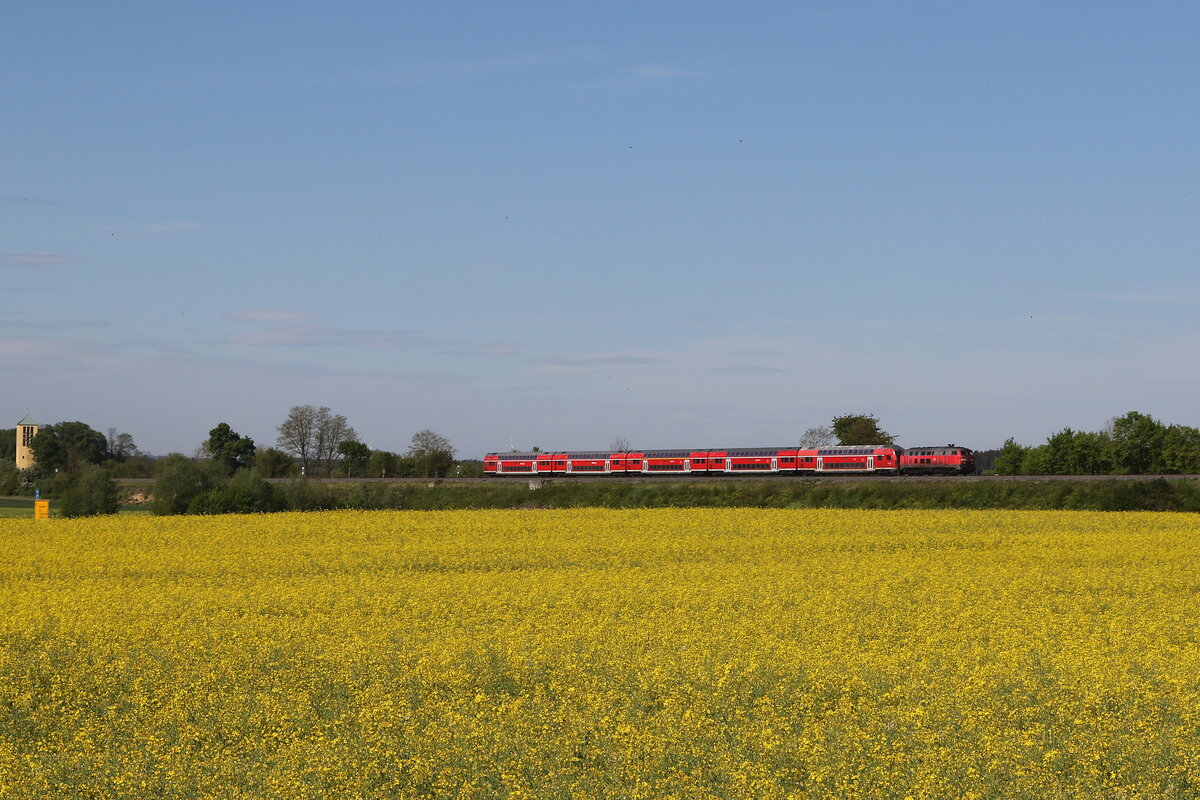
(41,509)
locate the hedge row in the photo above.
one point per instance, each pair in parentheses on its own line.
(1095,495)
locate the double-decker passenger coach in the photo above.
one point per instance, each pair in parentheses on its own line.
(842,460)
(851,459)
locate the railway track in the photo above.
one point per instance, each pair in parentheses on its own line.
(563,479)
(834,479)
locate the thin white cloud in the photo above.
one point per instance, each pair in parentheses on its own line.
(755,352)
(149,229)
(54,324)
(476,68)
(751,369)
(169,227)
(593,361)
(1150,298)
(663,72)
(34,261)
(157,346)
(20,200)
(649,74)
(283,335)
(310,334)
(322,336)
(496,349)
(267,316)
(20,347)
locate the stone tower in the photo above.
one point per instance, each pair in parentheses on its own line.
(26,430)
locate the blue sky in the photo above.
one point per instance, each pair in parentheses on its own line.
(686,224)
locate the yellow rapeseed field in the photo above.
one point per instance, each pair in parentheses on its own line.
(602,654)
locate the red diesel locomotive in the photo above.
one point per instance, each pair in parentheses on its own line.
(840,460)
(948,460)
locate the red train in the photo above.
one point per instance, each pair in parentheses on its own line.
(839,460)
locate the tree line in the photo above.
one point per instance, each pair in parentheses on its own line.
(315,442)
(78,465)
(1133,444)
(228,472)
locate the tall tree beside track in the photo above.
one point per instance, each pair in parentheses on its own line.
(121,445)
(313,435)
(816,438)
(355,457)
(433,453)
(229,449)
(8,445)
(68,446)
(852,429)
(274,463)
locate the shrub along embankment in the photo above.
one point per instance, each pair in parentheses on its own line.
(1092,495)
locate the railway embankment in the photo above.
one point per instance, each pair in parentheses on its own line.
(1102,494)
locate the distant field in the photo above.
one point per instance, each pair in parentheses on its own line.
(14,507)
(699,653)
(22,508)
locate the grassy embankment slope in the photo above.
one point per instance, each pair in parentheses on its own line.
(1083,495)
(1089,495)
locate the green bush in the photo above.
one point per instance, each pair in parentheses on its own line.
(179,480)
(91,493)
(10,479)
(245,493)
(305,496)
(185,487)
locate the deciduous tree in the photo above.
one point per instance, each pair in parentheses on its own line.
(92,494)
(355,456)
(1011,458)
(382,464)
(8,445)
(68,446)
(433,452)
(273,463)
(312,435)
(816,438)
(853,429)
(177,481)
(230,450)
(121,445)
(1137,442)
